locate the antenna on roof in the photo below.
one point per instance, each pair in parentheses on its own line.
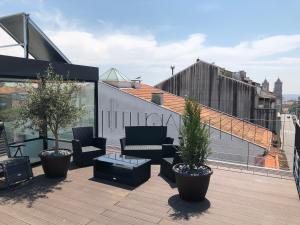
(172,68)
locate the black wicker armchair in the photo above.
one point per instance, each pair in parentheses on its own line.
(86,147)
(13,168)
(170,158)
(145,142)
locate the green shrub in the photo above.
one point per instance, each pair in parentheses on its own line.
(194,144)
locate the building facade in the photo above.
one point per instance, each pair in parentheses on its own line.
(230,92)
(298,108)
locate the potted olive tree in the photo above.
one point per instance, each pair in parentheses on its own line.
(51,105)
(192,176)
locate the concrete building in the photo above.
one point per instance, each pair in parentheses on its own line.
(265,110)
(278,93)
(231,92)
(298,108)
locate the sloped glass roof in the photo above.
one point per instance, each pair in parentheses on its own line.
(39,45)
(113,75)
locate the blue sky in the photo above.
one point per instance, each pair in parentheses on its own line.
(143,37)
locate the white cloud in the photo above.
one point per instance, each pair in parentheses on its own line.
(142,55)
(5,39)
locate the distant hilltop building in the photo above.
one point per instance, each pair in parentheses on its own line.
(231,92)
(265,85)
(278,94)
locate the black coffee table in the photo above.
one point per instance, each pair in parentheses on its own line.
(123,169)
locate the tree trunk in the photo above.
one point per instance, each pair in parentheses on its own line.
(43,133)
(56,142)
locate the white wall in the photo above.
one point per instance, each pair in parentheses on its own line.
(117,106)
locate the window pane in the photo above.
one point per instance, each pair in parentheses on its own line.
(86,99)
(11,95)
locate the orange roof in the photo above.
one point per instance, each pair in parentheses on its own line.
(243,129)
(8,90)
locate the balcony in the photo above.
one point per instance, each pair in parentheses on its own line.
(233,198)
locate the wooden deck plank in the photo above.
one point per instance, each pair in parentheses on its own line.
(232,198)
(23,216)
(10,220)
(125,218)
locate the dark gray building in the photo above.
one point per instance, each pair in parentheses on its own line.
(230,92)
(298,108)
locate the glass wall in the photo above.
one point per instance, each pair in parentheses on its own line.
(12,95)
(86,99)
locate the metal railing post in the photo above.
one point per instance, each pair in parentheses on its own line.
(209,126)
(116,119)
(179,126)
(123,118)
(283,131)
(248,156)
(220,127)
(254,132)
(102,125)
(146,122)
(243,130)
(108,118)
(231,128)
(268,139)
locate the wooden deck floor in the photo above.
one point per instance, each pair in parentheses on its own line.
(233,198)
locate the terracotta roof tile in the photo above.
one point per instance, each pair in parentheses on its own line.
(242,129)
(9,90)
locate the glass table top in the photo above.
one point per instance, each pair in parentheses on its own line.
(117,158)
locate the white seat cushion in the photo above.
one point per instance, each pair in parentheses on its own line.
(89,149)
(143,147)
(4,157)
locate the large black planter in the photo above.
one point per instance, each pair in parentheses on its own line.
(192,188)
(55,166)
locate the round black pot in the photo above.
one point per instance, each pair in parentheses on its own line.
(192,188)
(55,166)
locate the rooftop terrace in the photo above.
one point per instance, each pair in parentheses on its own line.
(233,198)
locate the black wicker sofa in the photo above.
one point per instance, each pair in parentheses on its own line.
(145,142)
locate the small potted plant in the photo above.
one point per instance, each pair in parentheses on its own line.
(193,176)
(51,105)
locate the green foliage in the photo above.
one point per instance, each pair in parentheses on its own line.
(193,148)
(50,104)
(8,114)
